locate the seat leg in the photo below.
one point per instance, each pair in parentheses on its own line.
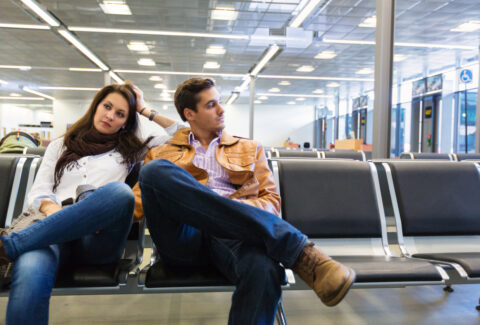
(448,288)
(280,315)
(478,306)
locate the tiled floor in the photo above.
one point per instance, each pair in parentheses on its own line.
(412,305)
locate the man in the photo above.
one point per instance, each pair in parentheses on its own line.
(210,198)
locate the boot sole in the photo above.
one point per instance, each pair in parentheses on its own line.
(343,292)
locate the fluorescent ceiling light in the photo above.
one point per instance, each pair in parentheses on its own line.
(272,50)
(291,103)
(333,85)
(244,85)
(24,26)
(165,107)
(155,78)
(113,7)
(284,83)
(19,67)
(85,69)
(116,77)
(265,76)
(153,32)
(44,14)
(471,26)
(223,13)
(22,98)
(216,50)
(304,13)
(15,95)
(70,88)
(257,101)
(211,65)
(233,97)
(399,57)
(146,62)
(370,22)
(318,91)
(295,95)
(364,71)
(305,68)
(263,97)
(28,90)
(325,55)
(3,82)
(300,99)
(82,48)
(138,46)
(427,45)
(183,73)
(274,90)
(159,86)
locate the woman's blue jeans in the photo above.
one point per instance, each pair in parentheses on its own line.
(192,225)
(92,231)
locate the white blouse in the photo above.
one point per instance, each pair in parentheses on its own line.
(95,170)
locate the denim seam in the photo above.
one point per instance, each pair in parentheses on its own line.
(231,252)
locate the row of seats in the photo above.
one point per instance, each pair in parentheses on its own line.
(323,154)
(343,205)
(440,156)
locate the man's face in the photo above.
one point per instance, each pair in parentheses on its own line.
(209,115)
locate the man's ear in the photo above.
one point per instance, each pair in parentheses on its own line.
(189,114)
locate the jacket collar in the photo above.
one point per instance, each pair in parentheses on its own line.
(180,138)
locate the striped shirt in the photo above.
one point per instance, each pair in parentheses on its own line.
(218,180)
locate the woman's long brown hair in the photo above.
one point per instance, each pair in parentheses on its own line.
(128,144)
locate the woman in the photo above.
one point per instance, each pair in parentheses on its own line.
(97,150)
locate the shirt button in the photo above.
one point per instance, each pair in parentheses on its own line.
(84,176)
(84,163)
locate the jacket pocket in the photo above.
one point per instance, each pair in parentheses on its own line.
(243,159)
(172,156)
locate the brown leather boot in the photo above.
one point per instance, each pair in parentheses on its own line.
(329,279)
(3,254)
(5,264)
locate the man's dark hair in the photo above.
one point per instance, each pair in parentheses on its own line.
(186,94)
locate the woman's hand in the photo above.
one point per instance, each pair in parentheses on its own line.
(49,207)
(140,100)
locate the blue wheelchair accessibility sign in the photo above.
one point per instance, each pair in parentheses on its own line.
(466,76)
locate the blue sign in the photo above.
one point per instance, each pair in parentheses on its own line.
(466,76)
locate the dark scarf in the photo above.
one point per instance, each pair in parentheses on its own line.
(88,143)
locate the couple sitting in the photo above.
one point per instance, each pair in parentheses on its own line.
(209,198)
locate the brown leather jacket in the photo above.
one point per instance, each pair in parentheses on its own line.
(243,159)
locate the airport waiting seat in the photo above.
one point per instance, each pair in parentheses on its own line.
(35,151)
(345,154)
(294,154)
(337,203)
(437,208)
(466,156)
(426,155)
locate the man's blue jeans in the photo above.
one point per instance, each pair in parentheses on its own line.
(92,231)
(192,225)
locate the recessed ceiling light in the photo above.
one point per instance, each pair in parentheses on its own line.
(155,78)
(471,26)
(224,13)
(284,83)
(138,46)
(165,107)
(306,68)
(15,95)
(263,97)
(159,86)
(426,45)
(115,7)
(19,67)
(85,69)
(325,55)
(24,26)
(300,98)
(333,85)
(216,50)
(318,91)
(274,90)
(146,61)
(370,22)
(22,98)
(399,57)
(257,101)
(70,88)
(291,102)
(364,71)
(211,65)
(3,82)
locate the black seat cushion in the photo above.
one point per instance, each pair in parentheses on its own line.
(465,156)
(345,154)
(161,275)
(104,275)
(437,198)
(390,269)
(470,262)
(297,154)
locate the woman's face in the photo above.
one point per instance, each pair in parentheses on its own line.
(111,114)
